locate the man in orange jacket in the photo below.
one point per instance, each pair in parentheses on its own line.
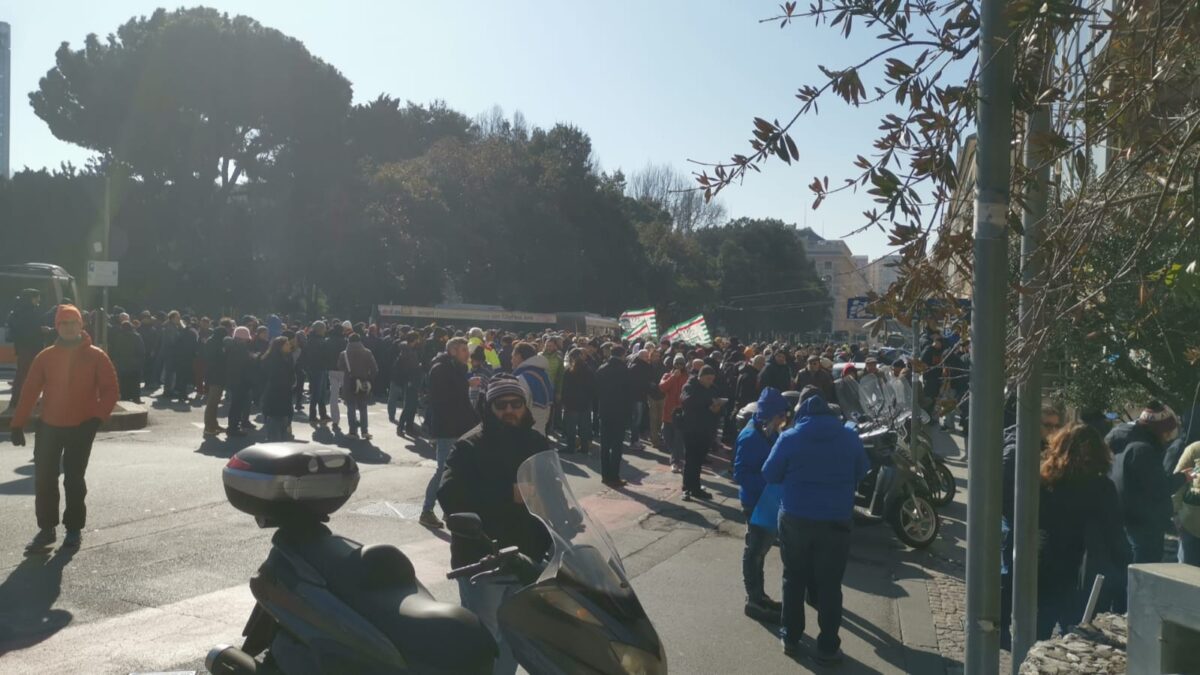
(78,385)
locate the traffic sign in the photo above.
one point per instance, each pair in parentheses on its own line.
(102,273)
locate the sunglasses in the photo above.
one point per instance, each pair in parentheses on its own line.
(508,404)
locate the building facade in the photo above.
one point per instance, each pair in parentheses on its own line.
(882,273)
(844,277)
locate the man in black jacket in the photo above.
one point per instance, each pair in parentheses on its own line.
(318,375)
(218,376)
(1144,487)
(615,393)
(777,373)
(451,414)
(701,415)
(815,375)
(25,332)
(127,353)
(406,383)
(481,478)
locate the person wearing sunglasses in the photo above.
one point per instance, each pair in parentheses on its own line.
(481,478)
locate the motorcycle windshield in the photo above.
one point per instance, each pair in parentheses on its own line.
(582,614)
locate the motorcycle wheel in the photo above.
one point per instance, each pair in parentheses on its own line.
(942,487)
(914,521)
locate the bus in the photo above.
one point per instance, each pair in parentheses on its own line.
(54,283)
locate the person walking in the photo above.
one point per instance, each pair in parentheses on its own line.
(238,367)
(451,415)
(279,375)
(614,391)
(217,373)
(701,416)
(318,375)
(578,394)
(819,462)
(671,385)
(25,332)
(358,366)
(406,376)
(335,344)
(481,478)
(754,444)
(78,385)
(1079,505)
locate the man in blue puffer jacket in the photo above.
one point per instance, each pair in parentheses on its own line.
(819,462)
(753,445)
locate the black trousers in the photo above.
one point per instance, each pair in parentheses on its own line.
(130,385)
(814,562)
(23,363)
(62,450)
(695,450)
(612,442)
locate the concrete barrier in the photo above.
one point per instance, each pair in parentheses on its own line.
(1164,619)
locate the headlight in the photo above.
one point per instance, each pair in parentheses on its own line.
(638,661)
(567,605)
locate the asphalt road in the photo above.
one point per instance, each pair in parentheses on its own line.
(162,574)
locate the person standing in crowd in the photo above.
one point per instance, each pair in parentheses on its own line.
(754,444)
(481,478)
(777,373)
(318,375)
(578,394)
(671,385)
(614,391)
(279,374)
(815,375)
(701,416)
(335,344)
(152,339)
(746,391)
(450,415)
(166,352)
(655,397)
(408,368)
(358,367)
(382,348)
(302,356)
(530,367)
(872,384)
(217,374)
(641,373)
(183,356)
(479,372)
(552,352)
(128,354)
(506,352)
(200,363)
(1144,487)
(849,396)
(931,378)
(819,462)
(79,386)
(1079,505)
(26,335)
(238,366)
(258,380)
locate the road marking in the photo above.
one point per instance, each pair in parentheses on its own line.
(159,638)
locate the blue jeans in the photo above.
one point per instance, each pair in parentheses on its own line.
(814,562)
(357,412)
(674,442)
(484,601)
(639,414)
(442,447)
(395,396)
(1189,548)
(758,545)
(577,424)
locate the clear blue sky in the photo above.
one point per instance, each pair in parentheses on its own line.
(659,81)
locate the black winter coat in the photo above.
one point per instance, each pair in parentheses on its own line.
(217,369)
(1145,488)
(696,402)
(480,475)
(25,330)
(615,390)
(776,375)
(821,379)
(450,398)
(747,389)
(127,352)
(239,365)
(406,367)
(643,380)
(331,349)
(280,375)
(578,389)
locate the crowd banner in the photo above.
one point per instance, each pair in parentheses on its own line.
(693,331)
(639,323)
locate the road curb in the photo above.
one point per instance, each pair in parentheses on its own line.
(126,416)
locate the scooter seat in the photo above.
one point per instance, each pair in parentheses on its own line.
(381,585)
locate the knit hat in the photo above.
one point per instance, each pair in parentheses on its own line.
(771,403)
(241,333)
(507,385)
(679,361)
(346,325)
(67,313)
(1158,417)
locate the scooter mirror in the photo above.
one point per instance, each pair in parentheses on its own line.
(465,525)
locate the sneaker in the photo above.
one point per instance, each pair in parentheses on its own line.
(828,659)
(42,539)
(792,649)
(676,468)
(400,431)
(687,496)
(73,539)
(211,432)
(352,434)
(429,519)
(759,611)
(366,436)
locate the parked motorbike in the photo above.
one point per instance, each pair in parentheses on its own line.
(328,604)
(577,611)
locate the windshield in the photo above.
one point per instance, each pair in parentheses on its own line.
(582,547)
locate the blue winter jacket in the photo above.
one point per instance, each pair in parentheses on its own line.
(534,372)
(753,446)
(819,462)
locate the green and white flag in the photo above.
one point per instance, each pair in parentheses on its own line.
(639,323)
(693,331)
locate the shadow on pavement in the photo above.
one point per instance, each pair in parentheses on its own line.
(27,596)
(216,446)
(19,486)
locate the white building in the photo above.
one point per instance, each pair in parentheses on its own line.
(882,273)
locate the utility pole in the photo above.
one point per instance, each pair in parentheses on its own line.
(1029,402)
(993,159)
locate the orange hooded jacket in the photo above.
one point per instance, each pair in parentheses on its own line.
(77,383)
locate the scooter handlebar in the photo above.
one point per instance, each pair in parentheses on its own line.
(485,564)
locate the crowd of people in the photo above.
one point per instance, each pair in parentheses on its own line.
(1109,494)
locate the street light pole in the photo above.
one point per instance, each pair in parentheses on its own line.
(993,159)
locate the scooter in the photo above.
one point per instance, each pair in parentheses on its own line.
(328,604)
(576,611)
(895,489)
